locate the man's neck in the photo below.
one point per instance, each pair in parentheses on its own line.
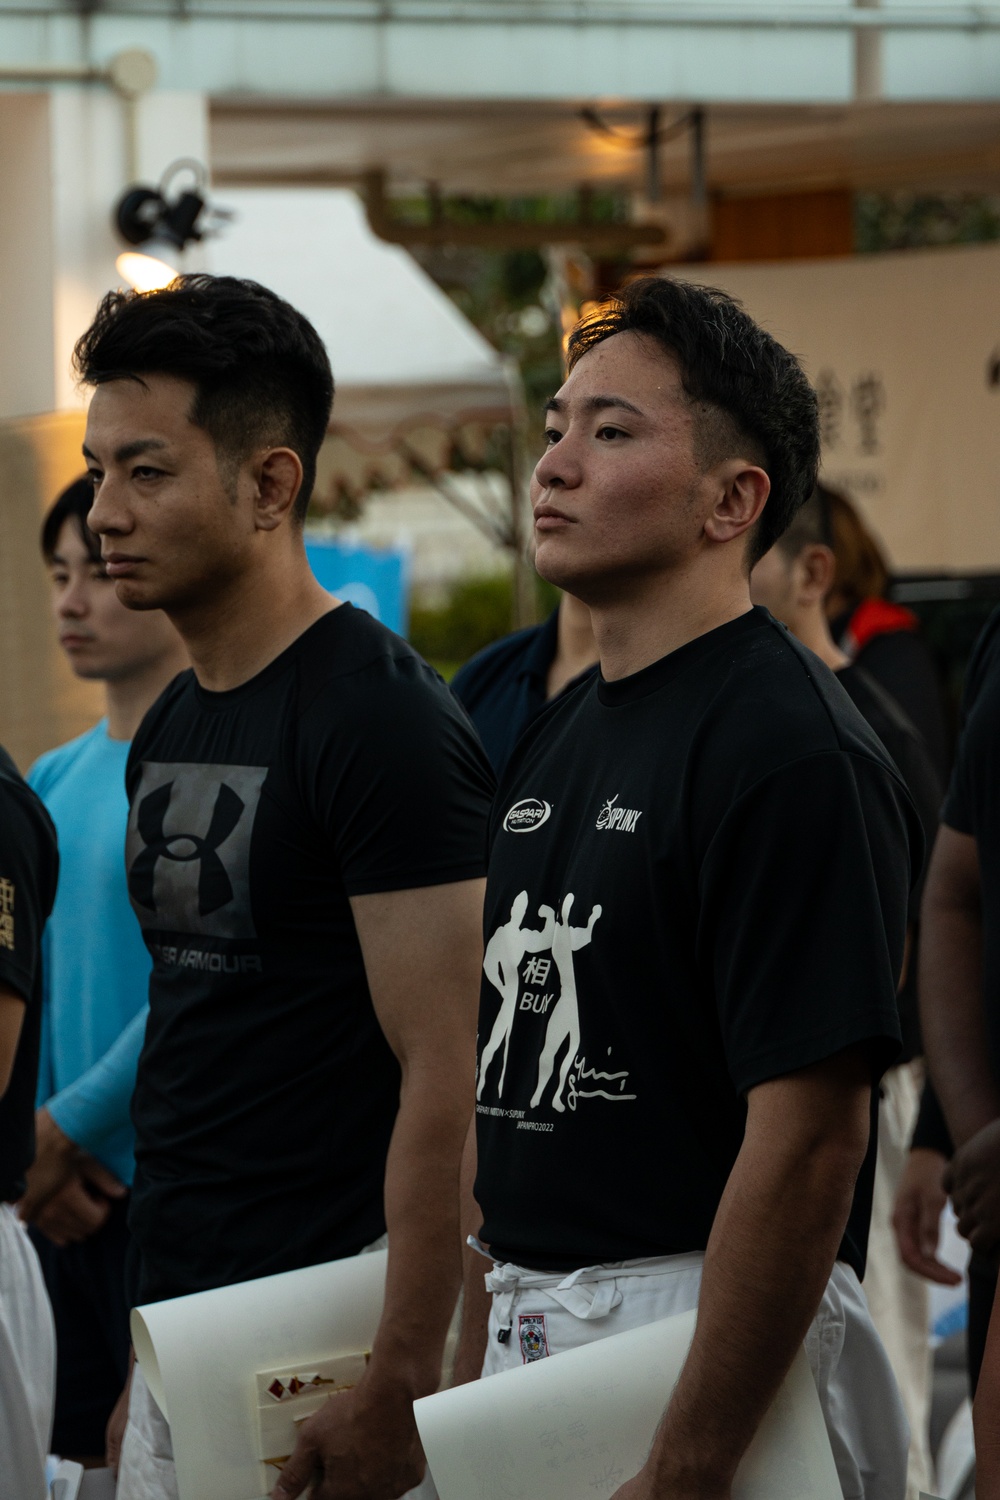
(663,613)
(128,699)
(811,628)
(246,626)
(576,649)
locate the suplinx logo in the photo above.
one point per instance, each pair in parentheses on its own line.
(622,818)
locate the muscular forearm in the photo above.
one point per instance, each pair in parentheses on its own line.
(952,1018)
(476,1299)
(422,1217)
(772,1247)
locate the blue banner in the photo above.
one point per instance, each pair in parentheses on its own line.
(375,581)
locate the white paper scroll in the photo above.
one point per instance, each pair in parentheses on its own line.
(201,1356)
(581,1423)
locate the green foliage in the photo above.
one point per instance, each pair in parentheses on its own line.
(476,612)
(906,220)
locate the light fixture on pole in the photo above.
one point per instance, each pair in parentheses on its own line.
(158,227)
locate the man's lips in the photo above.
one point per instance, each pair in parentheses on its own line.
(71,639)
(548,518)
(120,565)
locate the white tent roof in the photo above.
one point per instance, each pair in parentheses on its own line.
(399,347)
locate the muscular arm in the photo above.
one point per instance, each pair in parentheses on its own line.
(422,952)
(11,1021)
(769,1256)
(476,1299)
(951,998)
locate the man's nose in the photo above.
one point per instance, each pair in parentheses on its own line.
(107,515)
(71,603)
(558,468)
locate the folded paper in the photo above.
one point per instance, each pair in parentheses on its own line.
(581,1423)
(210,1360)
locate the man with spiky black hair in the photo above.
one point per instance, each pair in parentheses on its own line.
(685,1115)
(305,851)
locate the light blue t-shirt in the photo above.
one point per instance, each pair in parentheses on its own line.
(95,963)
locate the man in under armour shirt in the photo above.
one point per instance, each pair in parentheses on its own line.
(682,1108)
(305,850)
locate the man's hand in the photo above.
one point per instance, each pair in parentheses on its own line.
(114,1432)
(362,1445)
(56,1159)
(973,1182)
(916,1217)
(77,1211)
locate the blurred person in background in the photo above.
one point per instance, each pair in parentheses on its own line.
(29,866)
(792,581)
(505,686)
(879,635)
(95,980)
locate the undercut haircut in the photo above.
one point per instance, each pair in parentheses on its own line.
(74,504)
(810,526)
(751,397)
(260,371)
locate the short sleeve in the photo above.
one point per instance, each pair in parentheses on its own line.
(28,867)
(804,895)
(405,794)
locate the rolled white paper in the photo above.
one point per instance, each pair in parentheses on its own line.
(581,1423)
(200,1356)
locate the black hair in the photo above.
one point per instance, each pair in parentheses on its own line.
(260,371)
(74,504)
(751,394)
(811,525)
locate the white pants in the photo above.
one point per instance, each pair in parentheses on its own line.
(543,1315)
(898,1300)
(27,1364)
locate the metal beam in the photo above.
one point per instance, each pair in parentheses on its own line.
(574,13)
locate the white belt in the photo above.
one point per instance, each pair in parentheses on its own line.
(589,1293)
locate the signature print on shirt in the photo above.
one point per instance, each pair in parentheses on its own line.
(188,847)
(505,953)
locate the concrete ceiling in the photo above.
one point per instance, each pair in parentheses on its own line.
(496,147)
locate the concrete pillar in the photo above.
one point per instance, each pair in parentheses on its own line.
(65,156)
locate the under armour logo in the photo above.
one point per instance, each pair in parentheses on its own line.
(214,886)
(188,847)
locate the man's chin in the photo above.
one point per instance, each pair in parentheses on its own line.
(136,595)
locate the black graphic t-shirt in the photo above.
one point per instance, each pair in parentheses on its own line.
(699,878)
(29,869)
(266,1092)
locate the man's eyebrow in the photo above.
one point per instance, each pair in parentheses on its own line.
(132,450)
(596,403)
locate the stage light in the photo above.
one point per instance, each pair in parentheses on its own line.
(158,227)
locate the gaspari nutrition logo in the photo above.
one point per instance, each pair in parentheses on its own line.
(527,815)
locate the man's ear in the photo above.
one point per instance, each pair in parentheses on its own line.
(279,479)
(816,565)
(741,495)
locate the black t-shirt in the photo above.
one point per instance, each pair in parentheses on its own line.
(505,686)
(972,806)
(913,759)
(699,879)
(29,869)
(266,1092)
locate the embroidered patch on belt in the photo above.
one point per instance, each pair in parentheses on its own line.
(533,1338)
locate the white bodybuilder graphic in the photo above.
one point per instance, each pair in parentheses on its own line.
(564,1022)
(502,963)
